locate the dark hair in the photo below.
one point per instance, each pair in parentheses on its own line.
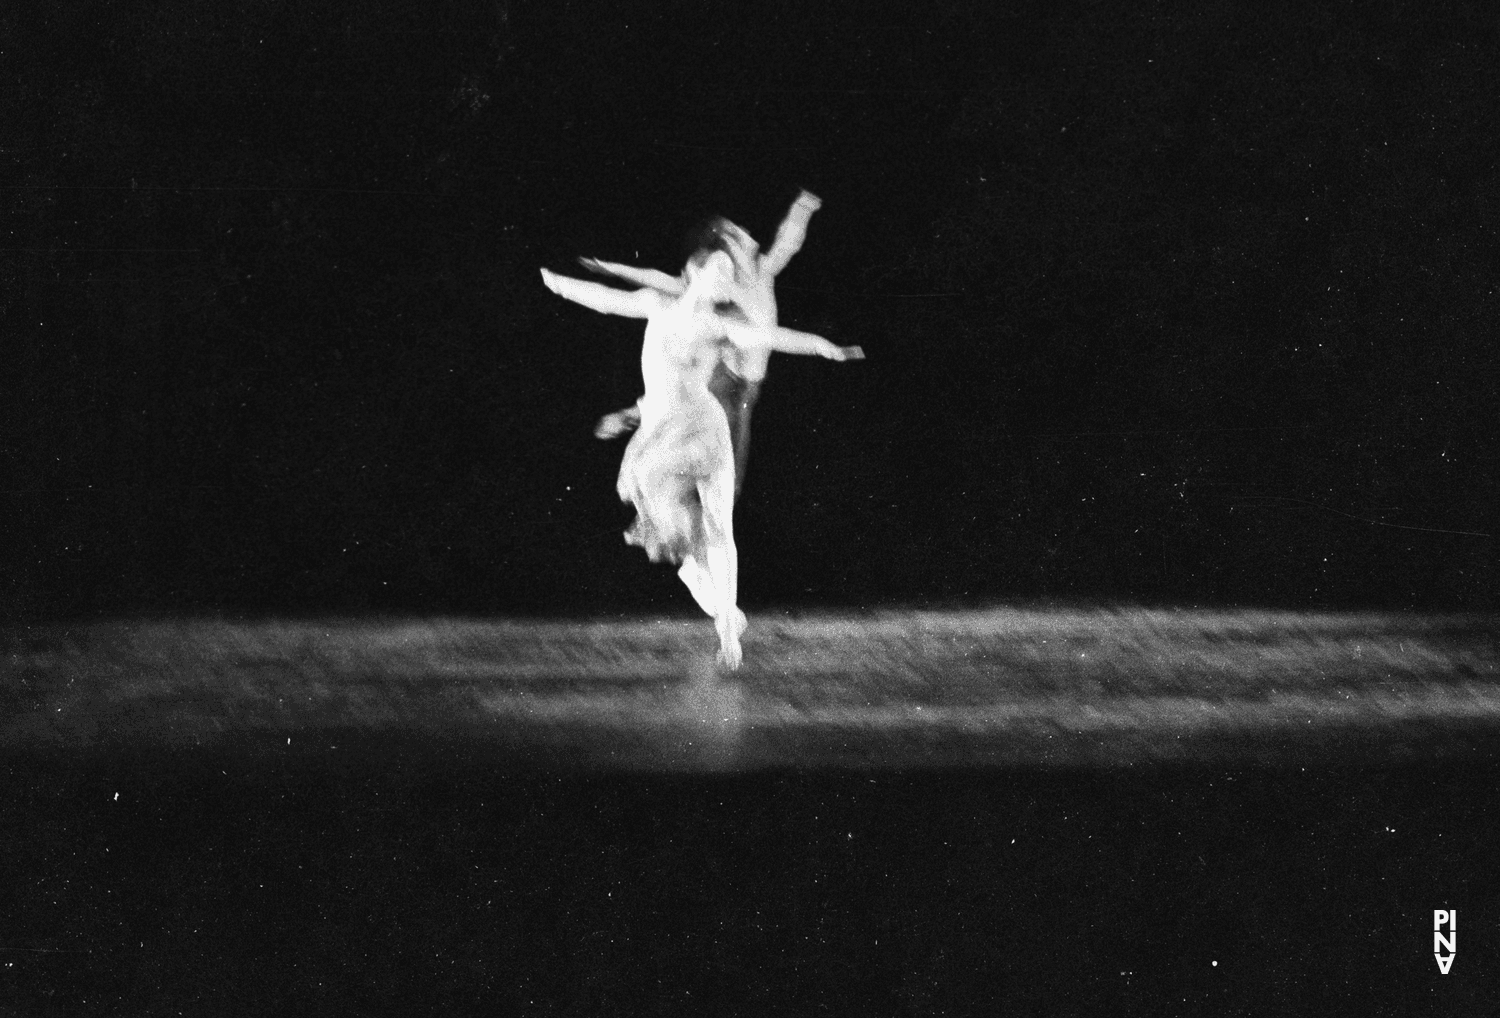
(706,237)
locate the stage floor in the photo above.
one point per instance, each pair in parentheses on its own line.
(891,690)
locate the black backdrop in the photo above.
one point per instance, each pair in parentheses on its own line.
(1172,303)
(1161,303)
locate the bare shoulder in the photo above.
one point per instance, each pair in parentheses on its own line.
(654,301)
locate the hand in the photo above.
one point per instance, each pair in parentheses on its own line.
(549,280)
(847,353)
(616,424)
(810,200)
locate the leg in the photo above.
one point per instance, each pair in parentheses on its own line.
(739,433)
(736,396)
(717,495)
(695,576)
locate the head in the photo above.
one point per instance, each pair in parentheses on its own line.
(741,246)
(719,234)
(709,271)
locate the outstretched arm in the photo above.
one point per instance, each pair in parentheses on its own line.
(653,278)
(791,233)
(604,299)
(784,340)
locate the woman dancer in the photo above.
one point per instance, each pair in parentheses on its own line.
(736,382)
(678,470)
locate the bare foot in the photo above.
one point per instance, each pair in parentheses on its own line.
(731,627)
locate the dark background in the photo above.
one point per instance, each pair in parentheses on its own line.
(394,880)
(1174,303)
(1188,304)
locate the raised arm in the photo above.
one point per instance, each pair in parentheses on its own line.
(654,278)
(783,340)
(604,299)
(791,233)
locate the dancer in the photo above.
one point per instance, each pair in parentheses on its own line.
(678,469)
(737,380)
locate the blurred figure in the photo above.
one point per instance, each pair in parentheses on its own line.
(678,470)
(737,379)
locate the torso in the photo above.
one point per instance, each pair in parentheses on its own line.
(757,299)
(684,341)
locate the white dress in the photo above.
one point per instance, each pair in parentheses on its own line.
(683,444)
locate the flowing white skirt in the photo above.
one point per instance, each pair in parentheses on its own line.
(670,455)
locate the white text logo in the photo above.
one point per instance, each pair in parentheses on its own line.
(1445,918)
